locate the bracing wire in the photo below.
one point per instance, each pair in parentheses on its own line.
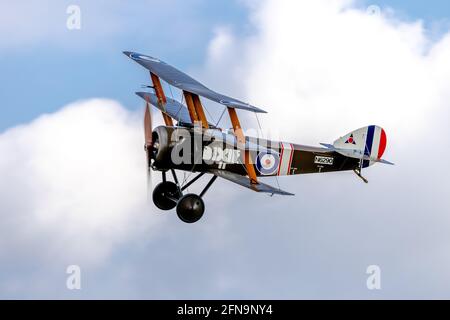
(182,100)
(212,118)
(171,93)
(259,124)
(173,97)
(221,115)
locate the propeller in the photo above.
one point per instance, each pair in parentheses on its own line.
(148,144)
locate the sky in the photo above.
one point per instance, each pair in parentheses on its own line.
(73,169)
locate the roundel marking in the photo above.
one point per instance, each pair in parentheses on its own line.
(267,162)
(225,102)
(236,103)
(142,57)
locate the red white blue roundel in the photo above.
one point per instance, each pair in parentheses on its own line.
(267,162)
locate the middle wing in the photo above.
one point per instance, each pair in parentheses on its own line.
(172,108)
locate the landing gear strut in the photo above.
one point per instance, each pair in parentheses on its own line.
(168,195)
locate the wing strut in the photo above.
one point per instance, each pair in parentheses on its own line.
(199,110)
(241,139)
(161,98)
(195,108)
(190,106)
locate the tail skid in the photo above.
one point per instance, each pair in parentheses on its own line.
(358,173)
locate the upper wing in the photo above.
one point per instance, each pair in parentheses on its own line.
(245,182)
(184,82)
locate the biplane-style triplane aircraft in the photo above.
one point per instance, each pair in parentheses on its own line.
(229,154)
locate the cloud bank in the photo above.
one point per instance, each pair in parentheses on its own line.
(72,187)
(321,69)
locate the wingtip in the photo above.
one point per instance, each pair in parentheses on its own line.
(140,94)
(285,193)
(258,110)
(386,162)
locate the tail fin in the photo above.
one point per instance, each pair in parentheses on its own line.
(368,143)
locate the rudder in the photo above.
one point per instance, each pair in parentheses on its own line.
(369,142)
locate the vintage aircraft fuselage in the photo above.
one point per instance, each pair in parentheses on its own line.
(199,150)
(194,144)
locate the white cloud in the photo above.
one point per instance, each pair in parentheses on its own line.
(73,184)
(33,24)
(341,67)
(321,69)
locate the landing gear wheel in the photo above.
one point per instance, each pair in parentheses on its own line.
(190,208)
(165,195)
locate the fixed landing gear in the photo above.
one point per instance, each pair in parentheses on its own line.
(189,207)
(165,195)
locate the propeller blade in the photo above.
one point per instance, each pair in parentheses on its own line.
(148,125)
(148,146)
(149,184)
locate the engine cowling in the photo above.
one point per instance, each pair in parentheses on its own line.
(162,144)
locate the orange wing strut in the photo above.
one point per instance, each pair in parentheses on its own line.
(161,98)
(191,107)
(241,139)
(199,110)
